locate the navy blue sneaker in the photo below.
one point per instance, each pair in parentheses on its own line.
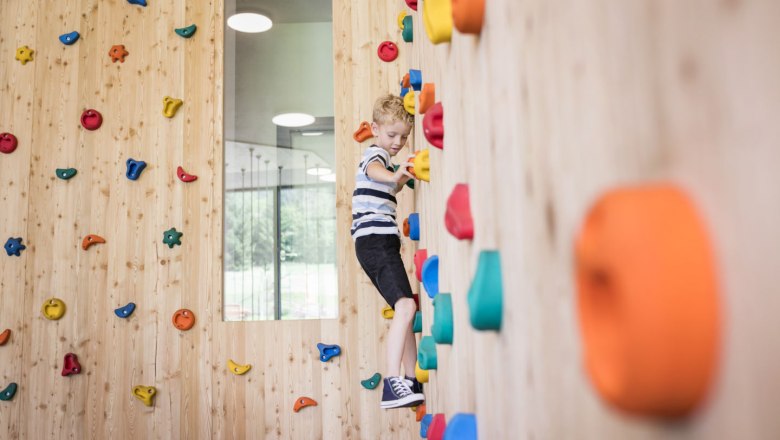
(414,385)
(397,394)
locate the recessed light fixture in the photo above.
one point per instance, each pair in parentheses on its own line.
(311,133)
(249,22)
(328,178)
(318,171)
(293,119)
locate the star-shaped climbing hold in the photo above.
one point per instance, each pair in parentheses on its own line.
(24,54)
(14,246)
(171,237)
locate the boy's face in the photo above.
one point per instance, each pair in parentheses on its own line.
(391,137)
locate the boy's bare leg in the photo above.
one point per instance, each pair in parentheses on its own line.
(410,353)
(397,336)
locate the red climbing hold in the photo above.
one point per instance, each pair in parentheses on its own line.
(4,336)
(71,365)
(91,239)
(412,4)
(433,125)
(303,402)
(419,258)
(458,216)
(8,143)
(91,119)
(185,177)
(363,132)
(387,51)
(437,427)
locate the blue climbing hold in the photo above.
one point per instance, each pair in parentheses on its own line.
(135,168)
(372,382)
(414,226)
(442,327)
(9,392)
(328,351)
(14,246)
(186,32)
(404,91)
(430,275)
(486,293)
(426,354)
(424,424)
(137,2)
(415,79)
(125,311)
(417,326)
(69,38)
(462,426)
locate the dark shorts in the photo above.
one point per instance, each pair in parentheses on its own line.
(380,257)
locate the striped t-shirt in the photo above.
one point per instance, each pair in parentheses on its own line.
(373,203)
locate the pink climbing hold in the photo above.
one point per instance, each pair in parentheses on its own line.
(412,4)
(184,176)
(433,125)
(419,258)
(458,216)
(91,119)
(437,427)
(387,51)
(8,143)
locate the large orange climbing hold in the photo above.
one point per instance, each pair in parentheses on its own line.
(183,319)
(91,239)
(4,336)
(648,301)
(427,97)
(468,15)
(303,402)
(363,132)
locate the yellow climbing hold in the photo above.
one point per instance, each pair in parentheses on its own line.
(437,16)
(422,165)
(422,375)
(401,20)
(170,106)
(53,309)
(238,369)
(145,394)
(388,312)
(24,54)
(409,102)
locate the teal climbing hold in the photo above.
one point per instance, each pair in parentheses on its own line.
(65,173)
(442,319)
(172,237)
(430,275)
(417,326)
(9,392)
(426,353)
(462,426)
(372,382)
(407,34)
(485,295)
(186,32)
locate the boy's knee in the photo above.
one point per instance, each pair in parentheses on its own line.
(405,307)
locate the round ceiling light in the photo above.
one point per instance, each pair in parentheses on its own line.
(249,22)
(318,171)
(293,119)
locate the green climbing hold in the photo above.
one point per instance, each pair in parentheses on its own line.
(417,326)
(186,32)
(9,392)
(485,295)
(409,183)
(442,319)
(426,353)
(171,237)
(372,382)
(66,173)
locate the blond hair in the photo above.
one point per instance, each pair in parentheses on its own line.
(389,109)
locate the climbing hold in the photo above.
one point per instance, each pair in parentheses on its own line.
(186,32)
(430,275)
(9,392)
(400,19)
(172,237)
(407,32)
(427,97)
(125,311)
(238,369)
(388,312)
(419,259)
(363,132)
(145,394)
(406,227)
(424,424)
(458,215)
(409,102)
(24,54)
(485,295)
(91,239)
(412,4)
(648,301)
(442,319)
(409,183)
(405,81)
(69,38)
(185,177)
(137,2)
(71,365)
(8,143)
(387,51)
(426,353)
(183,319)
(422,165)
(421,375)
(134,168)
(91,119)
(328,351)
(433,125)
(462,426)
(303,402)
(118,53)
(65,173)
(420,412)
(4,336)
(416,297)
(415,79)
(414,226)
(404,91)
(417,325)
(437,17)
(372,382)
(468,15)
(438,424)
(171,106)
(14,246)
(53,309)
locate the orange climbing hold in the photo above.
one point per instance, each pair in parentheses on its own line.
(405,81)
(648,301)
(427,97)
(4,336)
(91,239)
(420,412)
(183,319)
(468,15)
(118,53)
(363,132)
(303,402)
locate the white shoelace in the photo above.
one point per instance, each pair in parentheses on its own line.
(400,387)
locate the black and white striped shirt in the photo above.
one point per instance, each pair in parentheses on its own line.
(373,203)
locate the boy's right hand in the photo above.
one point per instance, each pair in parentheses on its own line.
(402,174)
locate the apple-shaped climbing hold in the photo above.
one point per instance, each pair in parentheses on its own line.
(91,239)
(171,106)
(53,309)
(457,218)
(372,382)
(185,176)
(65,173)
(71,365)
(14,246)
(69,38)
(172,237)
(387,51)
(125,311)
(238,369)
(186,32)
(363,132)
(137,2)
(24,54)
(9,392)
(8,143)
(419,259)
(433,125)
(145,394)
(303,402)
(118,53)
(91,119)
(4,336)
(183,319)
(328,351)
(486,293)
(134,168)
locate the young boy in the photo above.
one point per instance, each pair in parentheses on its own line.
(378,244)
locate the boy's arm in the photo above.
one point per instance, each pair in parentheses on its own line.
(377,172)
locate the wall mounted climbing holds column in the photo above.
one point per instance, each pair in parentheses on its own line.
(53,309)
(414,226)
(415,79)
(186,32)
(407,31)
(648,301)
(363,132)
(125,311)
(427,97)
(433,125)
(8,143)
(183,319)
(409,102)
(437,17)
(417,324)
(137,2)
(442,319)
(172,237)
(412,4)
(328,351)
(9,392)
(171,106)
(24,54)
(91,119)
(4,336)
(69,38)
(388,312)
(486,293)
(71,365)
(14,246)
(238,369)
(421,375)
(90,240)
(438,424)
(419,259)
(185,176)
(457,218)
(118,53)
(387,51)
(468,15)
(303,402)
(462,426)
(372,382)
(145,394)
(65,173)
(426,353)
(422,165)
(425,423)
(430,276)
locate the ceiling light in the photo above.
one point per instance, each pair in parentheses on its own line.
(317,171)
(328,178)
(293,119)
(249,22)
(311,133)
